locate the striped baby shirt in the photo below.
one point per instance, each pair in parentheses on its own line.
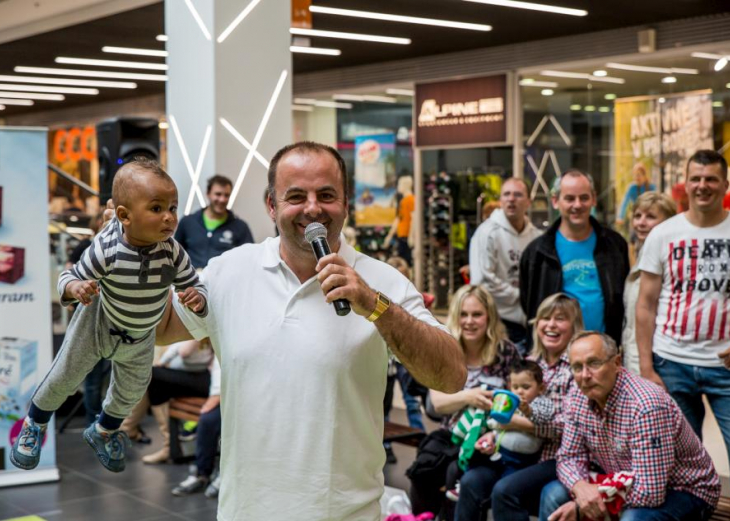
(134,281)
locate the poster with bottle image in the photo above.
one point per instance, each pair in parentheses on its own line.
(26,345)
(375,187)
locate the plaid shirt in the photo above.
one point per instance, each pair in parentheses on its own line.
(641,429)
(558,381)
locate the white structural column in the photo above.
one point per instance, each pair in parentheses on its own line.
(228,99)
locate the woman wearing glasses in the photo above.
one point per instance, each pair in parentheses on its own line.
(517,496)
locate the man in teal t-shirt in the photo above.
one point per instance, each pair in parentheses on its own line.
(580,278)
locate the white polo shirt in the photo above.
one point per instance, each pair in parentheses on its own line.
(302,389)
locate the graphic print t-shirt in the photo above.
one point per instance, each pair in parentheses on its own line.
(692,323)
(580,278)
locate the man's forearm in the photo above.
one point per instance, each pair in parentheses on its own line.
(433,357)
(170,329)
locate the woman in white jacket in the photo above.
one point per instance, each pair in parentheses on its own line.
(651,209)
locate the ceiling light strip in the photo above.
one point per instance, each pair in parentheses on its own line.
(66,60)
(134,51)
(535,83)
(656,70)
(69,81)
(349,36)
(23,102)
(315,50)
(33,95)
(91,74)
(303,108)
(43,88)
(198,19)
(400,92)
(161,37)
(241,16)
(399,18)
(258,136)
(582,76)
(533,7)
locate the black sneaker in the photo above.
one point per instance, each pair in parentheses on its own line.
(390,458)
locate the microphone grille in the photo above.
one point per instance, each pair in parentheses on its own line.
(314,231)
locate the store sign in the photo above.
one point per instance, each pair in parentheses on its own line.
(301,16)
(462,112)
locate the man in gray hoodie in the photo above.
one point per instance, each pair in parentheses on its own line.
(494,256)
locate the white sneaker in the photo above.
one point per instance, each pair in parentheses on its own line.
(191,485)
(212,491)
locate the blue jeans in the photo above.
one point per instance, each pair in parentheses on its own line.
(554,494)
(476,488)
(687,383)
(517,496)
(677,506)
(206,442)
(413,406)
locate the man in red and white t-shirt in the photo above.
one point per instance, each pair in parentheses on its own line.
(683,312)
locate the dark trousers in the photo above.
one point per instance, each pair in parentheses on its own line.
(173,383)
(92,390)
(517,496)
(206,443)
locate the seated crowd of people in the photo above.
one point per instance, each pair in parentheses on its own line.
(609,361)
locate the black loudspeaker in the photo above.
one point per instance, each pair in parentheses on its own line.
(118,140)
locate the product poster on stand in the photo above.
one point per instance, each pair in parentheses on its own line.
(375,180)
(26,346)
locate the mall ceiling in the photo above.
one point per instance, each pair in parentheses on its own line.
(139,27)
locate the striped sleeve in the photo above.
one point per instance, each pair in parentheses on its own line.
(92,265)
(186,276)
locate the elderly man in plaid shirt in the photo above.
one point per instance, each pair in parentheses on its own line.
(624,423)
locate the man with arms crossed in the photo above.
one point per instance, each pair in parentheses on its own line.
(623,423)
(302,388)
(494,256)
(682,322)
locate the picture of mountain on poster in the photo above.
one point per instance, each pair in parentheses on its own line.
(686,128)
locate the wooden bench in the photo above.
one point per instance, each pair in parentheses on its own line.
(722,513)
(397,433)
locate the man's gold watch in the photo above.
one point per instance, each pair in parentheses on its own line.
(382,304)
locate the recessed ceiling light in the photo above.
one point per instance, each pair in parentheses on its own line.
(44,88)
(604,109)
(547,92)
(350,36)
(589,108)
(134,51)
(164,125)
(398,18)
(33,95)
(400,92)
(161,38)
(23,102)
(70,81)
(720,64)
(662,100)
(91,74)
(111,63)
(315,50)
(717,104)
(582,76)
(533,83)
(575,107)
(657,70)
(600,72)
(669,79)
(609,97)
(533,7)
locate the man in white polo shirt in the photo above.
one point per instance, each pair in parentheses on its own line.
(302,388)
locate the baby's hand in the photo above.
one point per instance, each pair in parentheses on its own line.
(82,290)
(191,299)
(485,444)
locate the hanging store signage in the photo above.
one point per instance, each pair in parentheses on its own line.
(462,112)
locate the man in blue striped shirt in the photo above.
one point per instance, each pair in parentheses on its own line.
(130,265)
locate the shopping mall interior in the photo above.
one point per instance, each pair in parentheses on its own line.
(455,95)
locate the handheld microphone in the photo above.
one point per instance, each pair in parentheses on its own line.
(316,236)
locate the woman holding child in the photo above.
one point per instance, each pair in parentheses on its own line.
(517,496)
(474,321)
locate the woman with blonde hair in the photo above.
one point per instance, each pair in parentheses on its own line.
(488,353)
(558,319)
(651,209)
